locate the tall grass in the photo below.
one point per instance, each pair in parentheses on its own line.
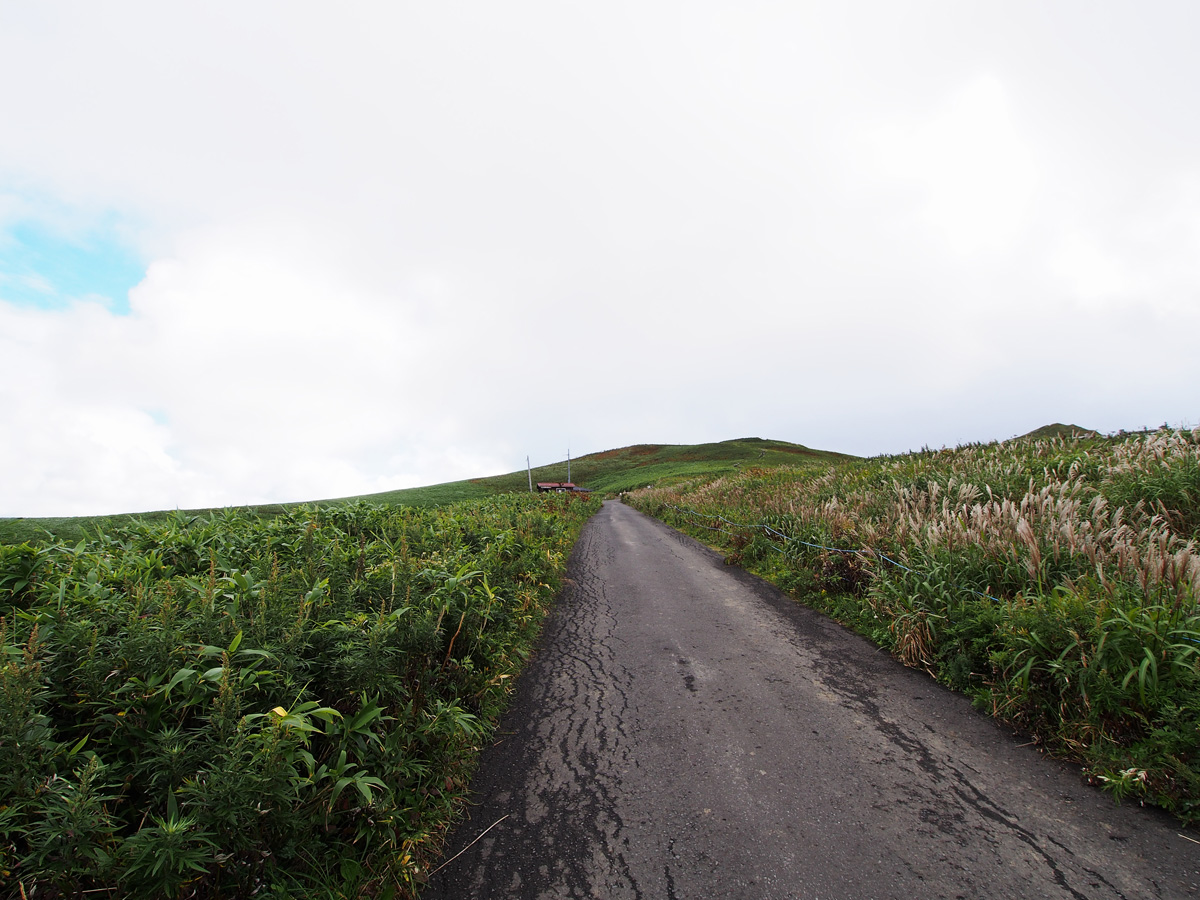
(1055,581)
(233,706)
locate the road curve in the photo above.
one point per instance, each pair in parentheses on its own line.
(687,731)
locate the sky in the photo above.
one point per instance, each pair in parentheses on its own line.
(259,252)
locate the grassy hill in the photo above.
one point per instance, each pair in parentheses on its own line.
(608,472)
(1058,430)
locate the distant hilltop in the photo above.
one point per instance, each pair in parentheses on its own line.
(1058,430)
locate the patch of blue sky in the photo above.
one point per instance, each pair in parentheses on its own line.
(44,268)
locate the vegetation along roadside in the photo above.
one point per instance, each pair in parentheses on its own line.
(607,472)
(239,704)
(1054,580)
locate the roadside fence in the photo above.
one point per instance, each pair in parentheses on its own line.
(866,553)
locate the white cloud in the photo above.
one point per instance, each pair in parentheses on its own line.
(391,245)
(271,380)
(975,175)
(1092,274)
(1148,254)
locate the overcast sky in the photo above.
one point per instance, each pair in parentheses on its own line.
(288,251)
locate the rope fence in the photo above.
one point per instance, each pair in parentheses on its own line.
(866,553)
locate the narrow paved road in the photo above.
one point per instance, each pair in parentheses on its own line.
(686,731)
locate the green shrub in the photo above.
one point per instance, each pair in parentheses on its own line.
(222,705)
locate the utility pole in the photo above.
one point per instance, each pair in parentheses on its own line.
(568,465)
(530,471)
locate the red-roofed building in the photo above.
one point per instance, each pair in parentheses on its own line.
(560,487)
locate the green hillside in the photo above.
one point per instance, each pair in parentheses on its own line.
(1058,430)
(608,472)
(626,468)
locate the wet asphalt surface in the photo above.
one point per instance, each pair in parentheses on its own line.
(687,731)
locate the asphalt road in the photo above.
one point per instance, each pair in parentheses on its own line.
(687,731)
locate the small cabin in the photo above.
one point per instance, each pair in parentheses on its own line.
(560,487)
